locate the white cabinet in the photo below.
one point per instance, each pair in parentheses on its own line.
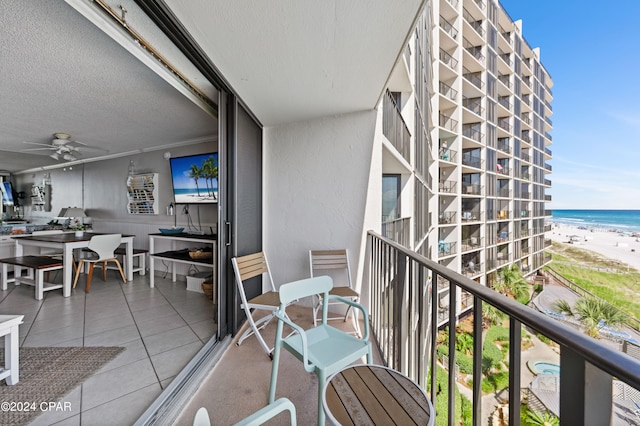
(142,193)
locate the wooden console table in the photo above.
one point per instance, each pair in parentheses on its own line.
(174,256)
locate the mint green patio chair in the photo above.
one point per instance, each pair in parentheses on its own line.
(323,349)
(259,417)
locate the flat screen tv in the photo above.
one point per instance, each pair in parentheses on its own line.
(7,194)
(195,178)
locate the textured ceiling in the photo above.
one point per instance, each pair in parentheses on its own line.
(62,74)
(294,60)
(287,60)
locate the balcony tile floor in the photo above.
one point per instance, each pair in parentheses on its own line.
(239,384)
(161,328)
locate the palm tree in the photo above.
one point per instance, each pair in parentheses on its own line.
(195,173)
(210,171)
(491,315)
(512,283)
(541,419)
(593,313)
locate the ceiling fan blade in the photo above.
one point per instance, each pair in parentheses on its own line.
(39,144)
(37,149)
(85,147)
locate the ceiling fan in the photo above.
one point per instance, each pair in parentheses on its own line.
(64,148)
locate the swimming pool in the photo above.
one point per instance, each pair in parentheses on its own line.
(543,367)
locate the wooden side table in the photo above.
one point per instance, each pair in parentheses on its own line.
(373,394)
(9,326)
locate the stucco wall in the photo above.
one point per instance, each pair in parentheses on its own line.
(321,190)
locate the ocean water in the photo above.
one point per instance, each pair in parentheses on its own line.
(622,220)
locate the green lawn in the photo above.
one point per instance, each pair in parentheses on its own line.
(580,266)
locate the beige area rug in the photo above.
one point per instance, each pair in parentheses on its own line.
(47,374)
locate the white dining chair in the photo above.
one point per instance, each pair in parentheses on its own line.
(103,247)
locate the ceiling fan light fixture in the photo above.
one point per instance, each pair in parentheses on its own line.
(69,157)
(55,156)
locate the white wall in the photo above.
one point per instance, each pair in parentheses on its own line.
(322,189)
(100,188)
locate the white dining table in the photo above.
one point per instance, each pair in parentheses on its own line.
(68,242)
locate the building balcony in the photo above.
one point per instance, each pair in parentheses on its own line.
(504,193)
(473,189)
(503,237)
(504,101)
(505,79)
(446,248)
(447,122)
(448,28)
(471,243)
(447,218)
(472,131)
(447,59)
(447,186)
(471,215)
(475,51)
(448,91)
(474,105)
(472,268)
(397,230)
(503,123)
(394,128)
(474,78)
(475,24)
(503,145)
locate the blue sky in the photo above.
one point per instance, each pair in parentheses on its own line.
(592,51)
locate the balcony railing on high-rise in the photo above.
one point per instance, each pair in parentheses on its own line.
(504,101)
(503,145)
(475,51)
(472,131)
(447,186)
(505,80)
(446,248)
(404,311)
(446,218)
(448,28)
(474,78)
(475,24)
(474,105)
(471,189)
(448,91)
(397,230)
(503,123)
(394,127)
(447,122)
(447,59)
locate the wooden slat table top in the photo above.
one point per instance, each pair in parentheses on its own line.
(375,395)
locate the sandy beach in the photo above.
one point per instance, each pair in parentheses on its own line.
(609,243)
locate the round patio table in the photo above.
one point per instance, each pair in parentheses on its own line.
(375,395)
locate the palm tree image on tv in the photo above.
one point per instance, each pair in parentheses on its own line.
(195,178)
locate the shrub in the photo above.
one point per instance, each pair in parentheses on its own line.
(465,362)
(495,382)
(462,404)
(491,356)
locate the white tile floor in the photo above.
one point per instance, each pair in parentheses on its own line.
(161,328)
